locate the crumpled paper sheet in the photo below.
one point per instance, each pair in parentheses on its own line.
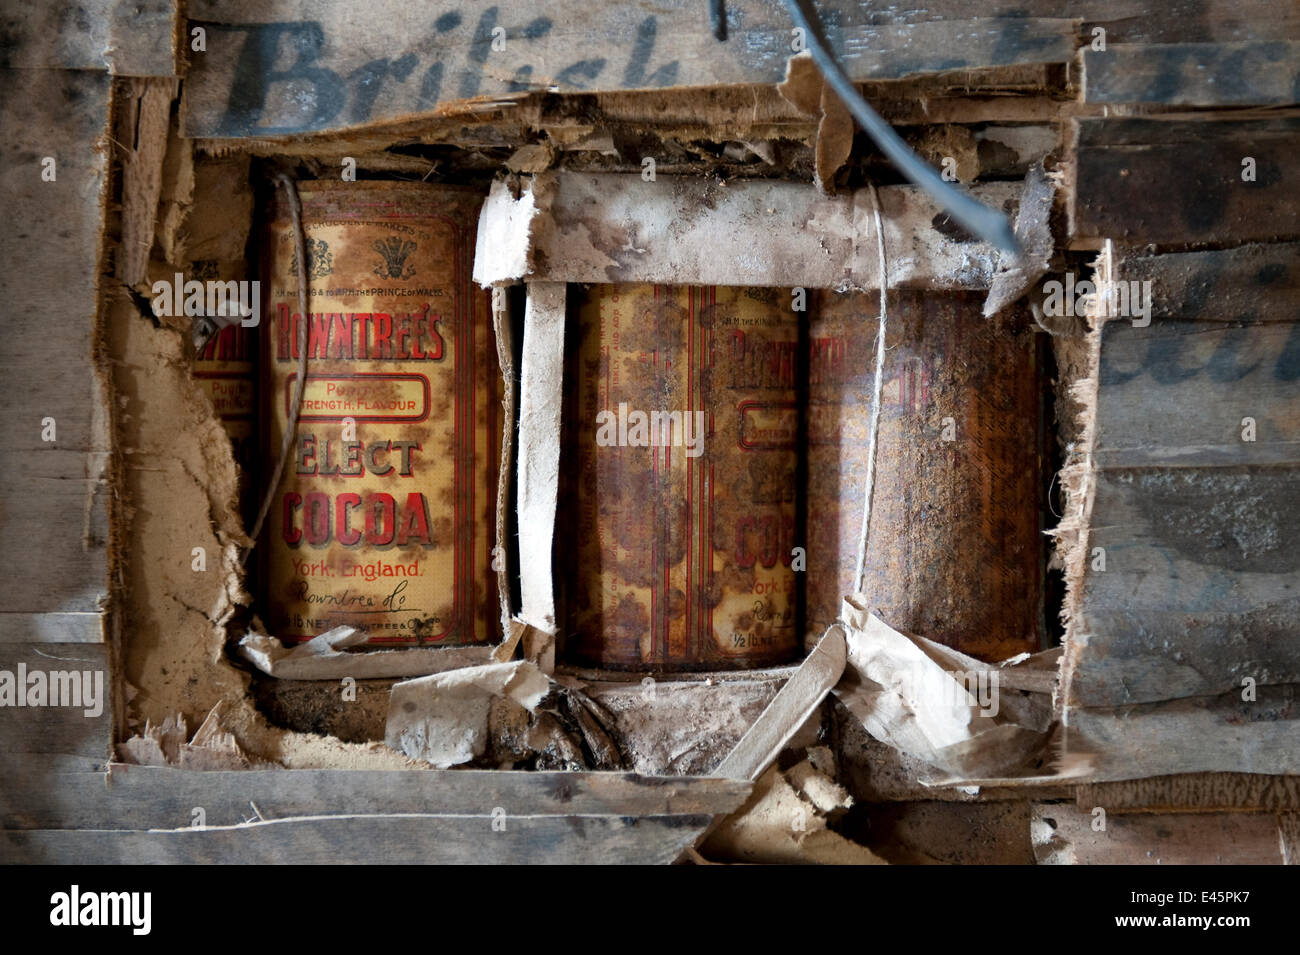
(322,657)
(447,719)
(936,704)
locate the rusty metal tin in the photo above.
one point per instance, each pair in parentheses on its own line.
(956,553)
(681,552)
(386,528)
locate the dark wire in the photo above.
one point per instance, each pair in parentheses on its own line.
(989,225)
(718,19)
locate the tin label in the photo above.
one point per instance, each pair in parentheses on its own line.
(382,520)
(685,431)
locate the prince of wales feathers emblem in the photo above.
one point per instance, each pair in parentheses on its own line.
(394,251)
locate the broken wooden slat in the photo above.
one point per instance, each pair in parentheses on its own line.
(611,227)
(1204,792)
(793,704)
(54,493)
(148,106)
(1249,283)
(322,657)
(1064,835)
(1253,73)
(1180,182)
(444,54)
(1205,734)
(146,797)
(391,839)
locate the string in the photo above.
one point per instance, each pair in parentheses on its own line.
(874,424)
(295,410)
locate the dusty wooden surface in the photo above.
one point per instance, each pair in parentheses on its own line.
(1205,792)
(1257,282)
(1252,73)
(363,67)
(1064,835)
(145,797)
(1180,182)
(418,839)
(53,491)
(142,814)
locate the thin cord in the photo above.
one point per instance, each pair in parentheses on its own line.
(874,425)
(989,225)
(300,249)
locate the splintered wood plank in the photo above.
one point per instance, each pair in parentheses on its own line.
(789,710)
(1183,394)
(330,65)
(1193,577)
(1263,72)
(144,797)
(390,839)
(1180,182)
(1249,283)
(81,725)
(1188,21)
(1064,835)
(1203,734)
(1192,791)
(1201,587)
(54,495)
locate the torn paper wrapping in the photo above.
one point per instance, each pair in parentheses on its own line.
(785,821)
(213,746)
(503,250)
(618,227)
(936,704)
(1034,231)
(447,719)
(322,658)
(806,88)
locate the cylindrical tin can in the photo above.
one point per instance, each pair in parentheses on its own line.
(683,430)
(955,551)
(383,516)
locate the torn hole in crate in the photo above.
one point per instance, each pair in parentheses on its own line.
(929,259)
